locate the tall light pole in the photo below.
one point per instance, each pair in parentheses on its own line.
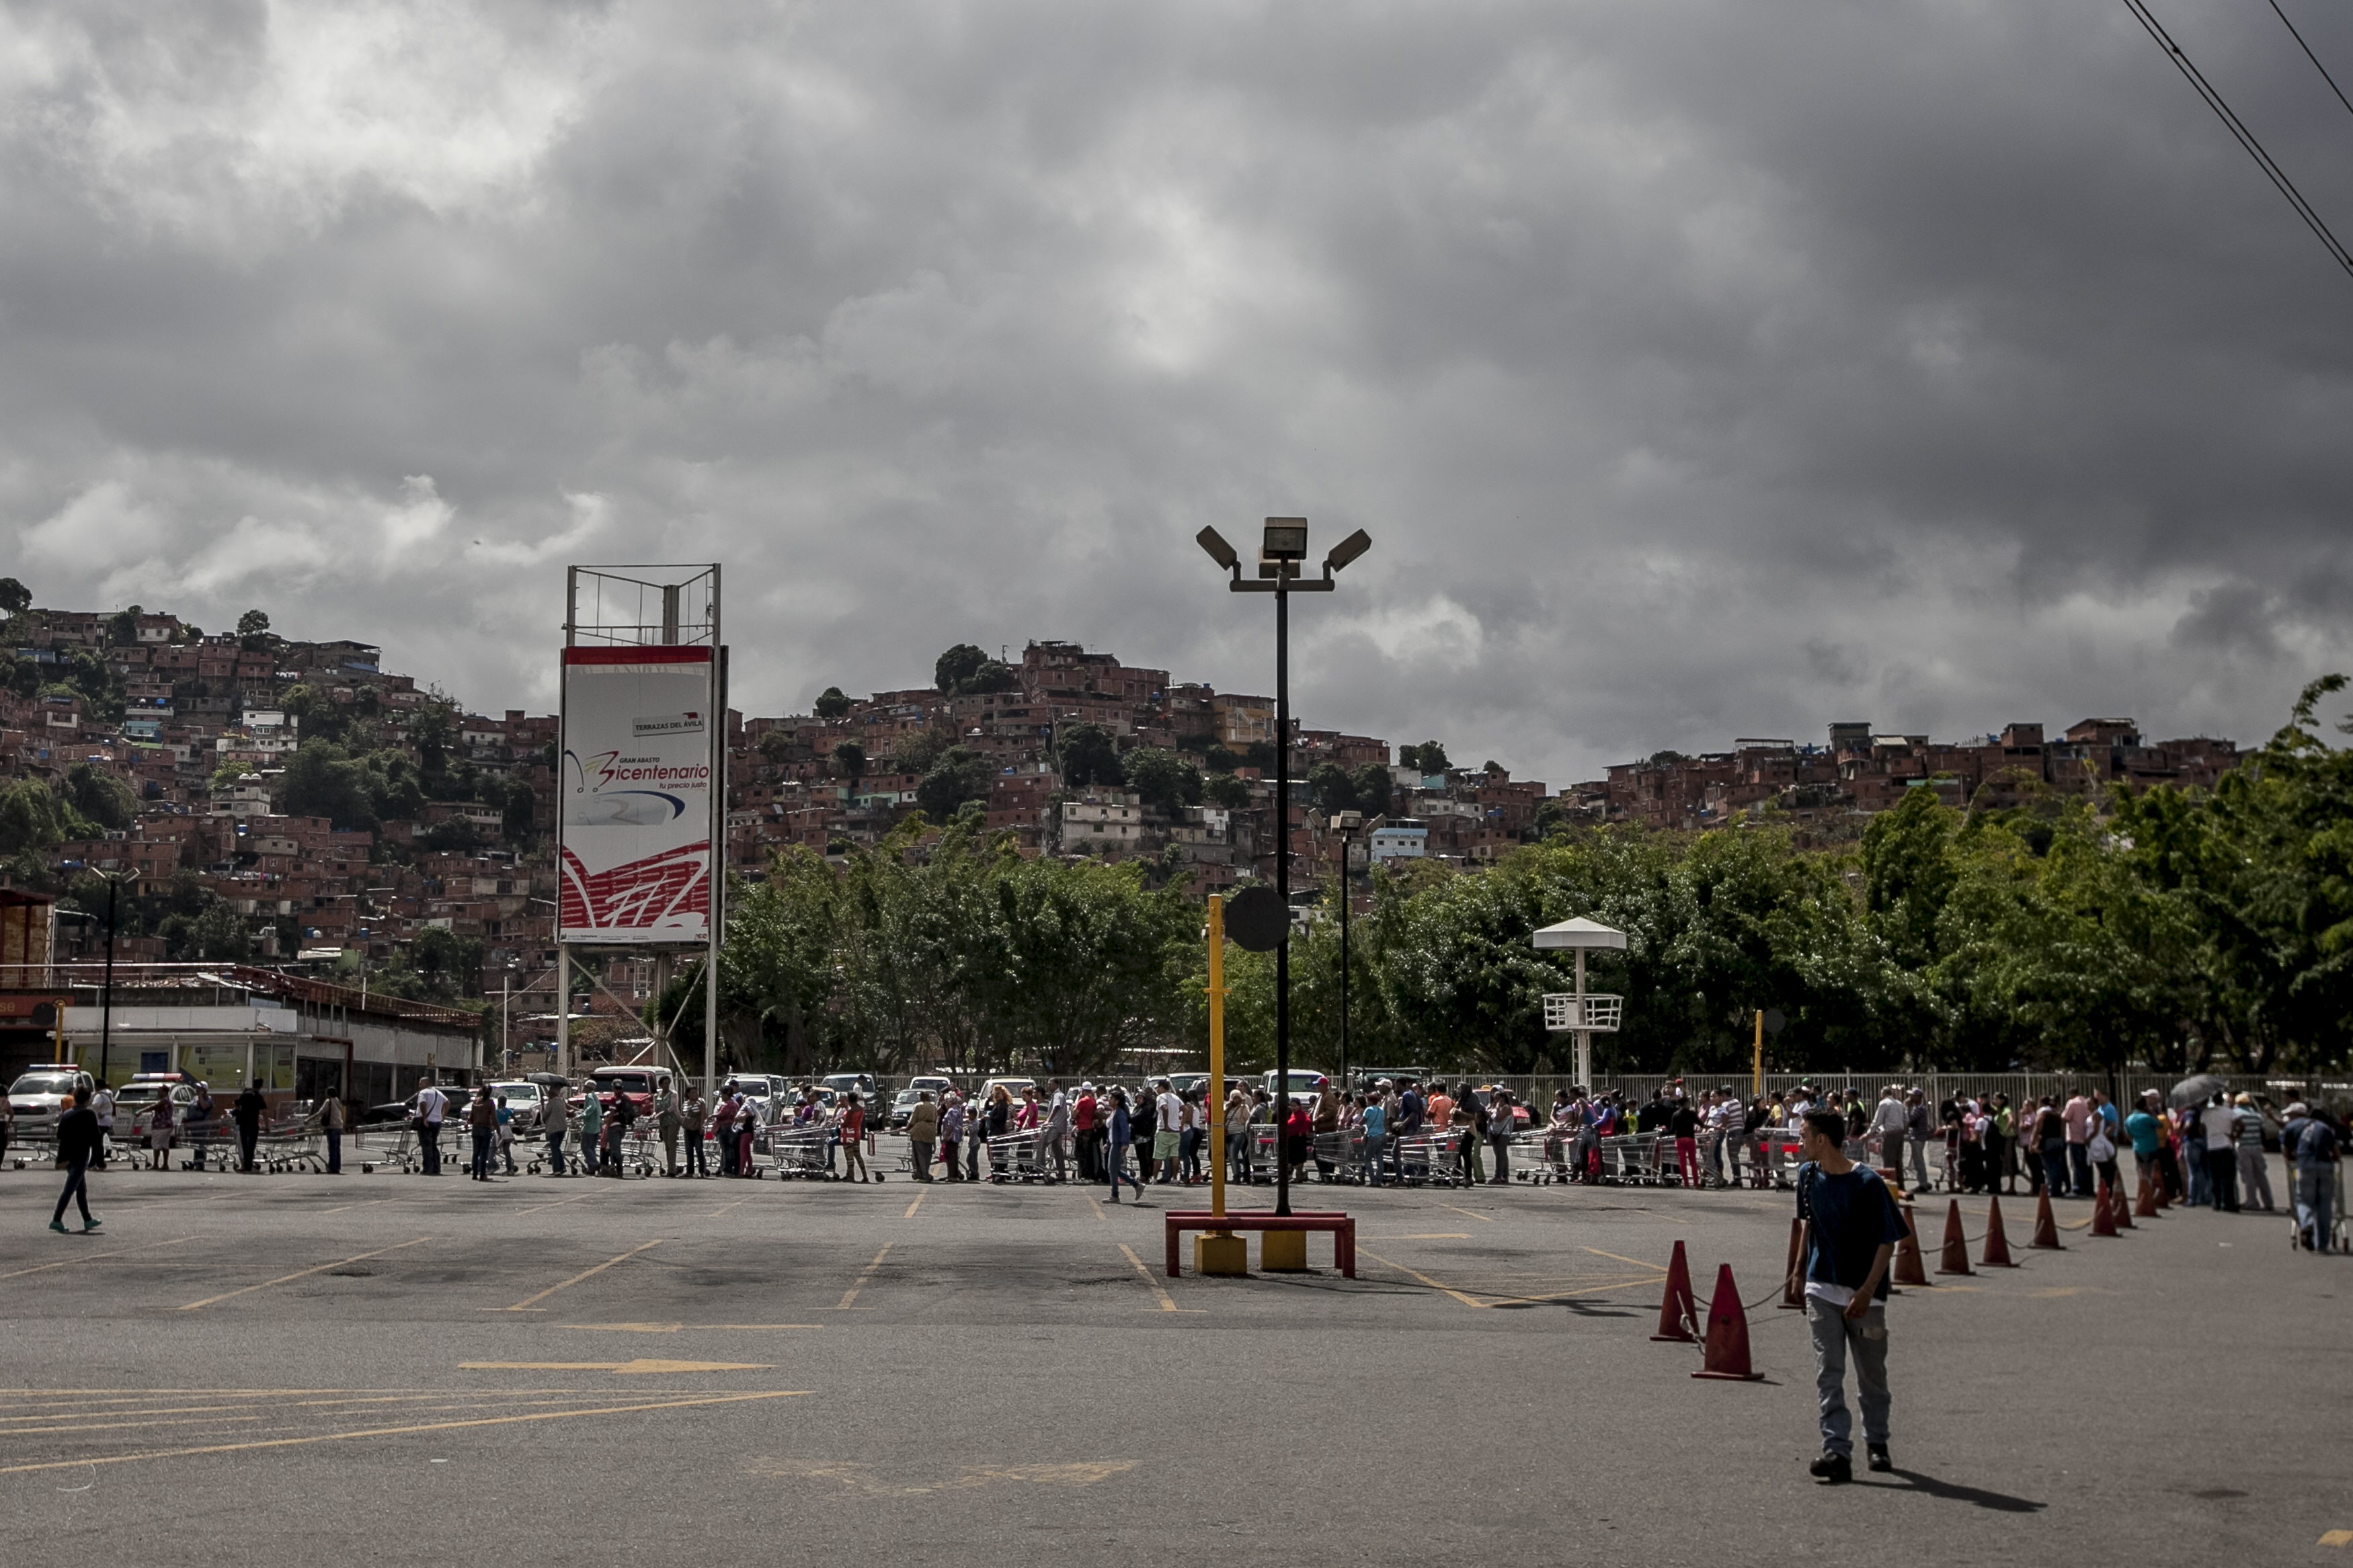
(1348,823)
(1282,551)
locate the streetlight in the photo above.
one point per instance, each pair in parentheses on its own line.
(106,992)
(1282,551)
(1347,824)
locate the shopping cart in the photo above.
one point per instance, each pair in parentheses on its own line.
(1430,1159)
(1540,1158)
(1018,1156)
(800,1151)
(1340,1154)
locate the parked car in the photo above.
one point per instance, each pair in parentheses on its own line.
(903,1108)
(134,1102)
(641,1084)
(523,1098)
(1306,1083)
(37,1097)
(843,1082)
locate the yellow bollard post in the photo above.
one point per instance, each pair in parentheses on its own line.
(1218,1252)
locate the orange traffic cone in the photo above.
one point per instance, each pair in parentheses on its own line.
(2046,1229)
(1677,1309)
(1793,1299)
(1908,1271)
(2145,1202)
(1997,1243)
(2121,1209)
(2104,1218)
(1956,1245)
(1727,1334)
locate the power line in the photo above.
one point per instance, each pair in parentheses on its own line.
(2246,138)
(2312,57)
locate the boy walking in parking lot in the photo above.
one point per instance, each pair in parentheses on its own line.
(1850,1229)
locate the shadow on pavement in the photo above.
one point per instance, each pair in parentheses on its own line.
(2000,1502)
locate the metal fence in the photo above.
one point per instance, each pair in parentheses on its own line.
(1937,1087)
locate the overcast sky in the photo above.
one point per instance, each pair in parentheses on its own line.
(1700,370)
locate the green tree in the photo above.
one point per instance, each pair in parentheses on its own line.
(1086,757)
(958,776)
(15,598)
(100,796)
(958,664)
(1225,791)
(1330,787)
(915,751)
(253,624)
(33,818)
(1161,778)
(850,757)
(831,704)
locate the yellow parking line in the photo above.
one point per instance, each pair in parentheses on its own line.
(1482,1218)
(560,1202)
(93,1256)
(1168,1302)
(396,1431)
(917,1204)
(852,1294)
(1637,1262)
(1425,1279)
(738,1203)
(300,1274)
(526,1305)
(1425,1235)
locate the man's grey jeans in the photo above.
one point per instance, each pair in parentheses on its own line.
(1835,1335)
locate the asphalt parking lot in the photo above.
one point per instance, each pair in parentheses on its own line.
(250,1368)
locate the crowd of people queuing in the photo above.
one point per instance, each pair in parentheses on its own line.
(2212,1153)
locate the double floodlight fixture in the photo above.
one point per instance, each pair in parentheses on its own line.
(1282,551)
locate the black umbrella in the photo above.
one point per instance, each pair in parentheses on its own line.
(2199,1087)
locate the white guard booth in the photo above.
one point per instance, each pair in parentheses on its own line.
(1581,1011)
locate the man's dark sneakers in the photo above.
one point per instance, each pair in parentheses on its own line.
(1832,1470)
(1878,1459)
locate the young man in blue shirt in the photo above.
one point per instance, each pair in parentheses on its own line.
(1851,1228)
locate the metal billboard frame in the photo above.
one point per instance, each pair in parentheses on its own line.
(653,605)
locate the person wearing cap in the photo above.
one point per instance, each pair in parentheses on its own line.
(2312,1147)
(2254,1177)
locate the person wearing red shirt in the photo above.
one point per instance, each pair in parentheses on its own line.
(1086,1120)
(853,1135)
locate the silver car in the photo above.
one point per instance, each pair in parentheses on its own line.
(37,1098)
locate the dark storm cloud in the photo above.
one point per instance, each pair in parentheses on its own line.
(1700,369)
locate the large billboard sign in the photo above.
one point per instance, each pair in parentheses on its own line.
(637,805)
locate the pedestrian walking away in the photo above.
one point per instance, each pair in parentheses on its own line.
(554,1119)
(330,1116)
(77,1143)
(482,1122)
(247,1114)
(1115,1148)
(1850,1226)
(2313,1147)
(427,1108)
